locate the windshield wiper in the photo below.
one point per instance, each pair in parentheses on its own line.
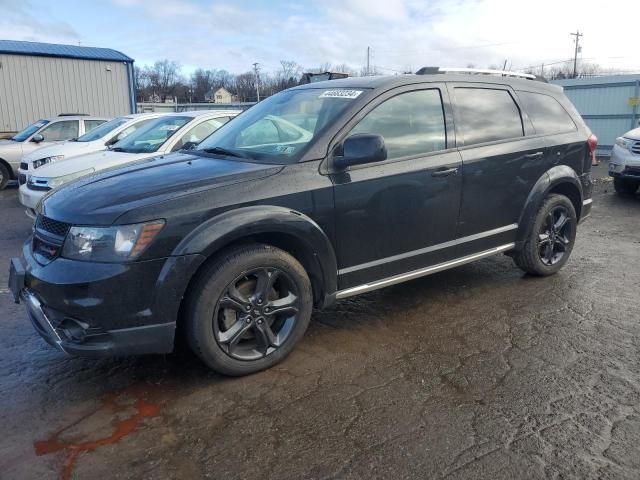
(117,149)
(224,151)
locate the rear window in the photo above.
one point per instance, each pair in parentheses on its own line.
(546,113)
(486,115)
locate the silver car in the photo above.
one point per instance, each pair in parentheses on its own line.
(624,165)
(38,134)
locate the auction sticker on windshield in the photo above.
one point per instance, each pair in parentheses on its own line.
(342,93)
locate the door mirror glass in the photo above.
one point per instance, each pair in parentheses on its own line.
(37,138)
(361,148)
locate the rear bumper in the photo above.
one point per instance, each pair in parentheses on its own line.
(96,310)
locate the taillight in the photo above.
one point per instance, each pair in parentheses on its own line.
(592,142)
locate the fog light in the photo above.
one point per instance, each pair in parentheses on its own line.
(73,330)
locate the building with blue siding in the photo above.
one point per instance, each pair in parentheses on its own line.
(610,105)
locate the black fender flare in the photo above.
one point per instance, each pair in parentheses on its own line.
(551,179)
(235,225)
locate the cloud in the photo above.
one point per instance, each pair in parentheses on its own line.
(22,21)
(402,34)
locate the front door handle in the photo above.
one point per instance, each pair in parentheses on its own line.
(532,156)
(444,172)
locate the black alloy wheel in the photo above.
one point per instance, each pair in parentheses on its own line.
(248,308)
(555,235)
(550,241)
(256,313)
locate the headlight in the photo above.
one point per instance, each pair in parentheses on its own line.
(44,161)
(110,244)
(57,181)
(624,142)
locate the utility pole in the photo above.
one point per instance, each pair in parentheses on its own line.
(575,54)
(368,58)
(257,70)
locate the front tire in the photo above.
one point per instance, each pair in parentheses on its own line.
(625,186)
(248,310)
(552,236)
(5,176)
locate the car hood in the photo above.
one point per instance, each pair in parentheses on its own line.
(633,134)
(9,145)
(97,161)
(68,149)
(99,199)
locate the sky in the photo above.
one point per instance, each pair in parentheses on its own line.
(401,34)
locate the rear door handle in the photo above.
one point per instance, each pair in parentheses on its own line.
(444,172)
(532,156)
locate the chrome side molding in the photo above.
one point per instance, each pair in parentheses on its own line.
(403,277)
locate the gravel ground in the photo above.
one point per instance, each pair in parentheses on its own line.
(478,372)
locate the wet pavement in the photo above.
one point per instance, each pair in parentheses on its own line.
(478,372)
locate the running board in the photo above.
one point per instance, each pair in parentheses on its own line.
(367,287)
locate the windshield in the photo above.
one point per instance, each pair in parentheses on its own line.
(30,130)
(279,129)
(102,130)
(152,136)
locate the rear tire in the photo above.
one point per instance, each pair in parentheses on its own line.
(246,311)
(625,186)
(5,176)
(551,240)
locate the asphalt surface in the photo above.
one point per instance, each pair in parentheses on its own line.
(478,372)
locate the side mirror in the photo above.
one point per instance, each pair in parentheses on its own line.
(37,138)
(361,148)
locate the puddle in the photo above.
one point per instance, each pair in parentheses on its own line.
(115,406)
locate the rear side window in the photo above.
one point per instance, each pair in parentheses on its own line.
(411,123)
(91,124)
(546,113)
(486,115)
(59,131)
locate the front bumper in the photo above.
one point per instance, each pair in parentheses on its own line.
(30,198)
(94,309)
(624,164)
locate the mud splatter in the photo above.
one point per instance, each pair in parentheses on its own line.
(121,428)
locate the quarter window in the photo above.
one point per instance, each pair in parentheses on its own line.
(411,123)
(59,131)
(487,115)
(91,124)
(546,114)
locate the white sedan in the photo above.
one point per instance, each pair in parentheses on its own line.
(166,134)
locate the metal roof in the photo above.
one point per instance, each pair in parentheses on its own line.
(14,47)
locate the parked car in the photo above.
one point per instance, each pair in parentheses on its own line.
(166,134)
(624,165)
(100,138)
(383,180)
(39,134)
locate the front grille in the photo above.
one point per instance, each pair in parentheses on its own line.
(33,186)
(22,179)
(635,147)
(633,171)
(24,166)
(52,226)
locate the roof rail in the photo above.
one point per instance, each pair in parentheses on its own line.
(478,71)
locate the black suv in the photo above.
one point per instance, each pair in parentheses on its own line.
(320,192)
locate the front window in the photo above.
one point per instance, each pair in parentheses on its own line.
(152,136)
(279,129)
(30,130)
(98,132)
